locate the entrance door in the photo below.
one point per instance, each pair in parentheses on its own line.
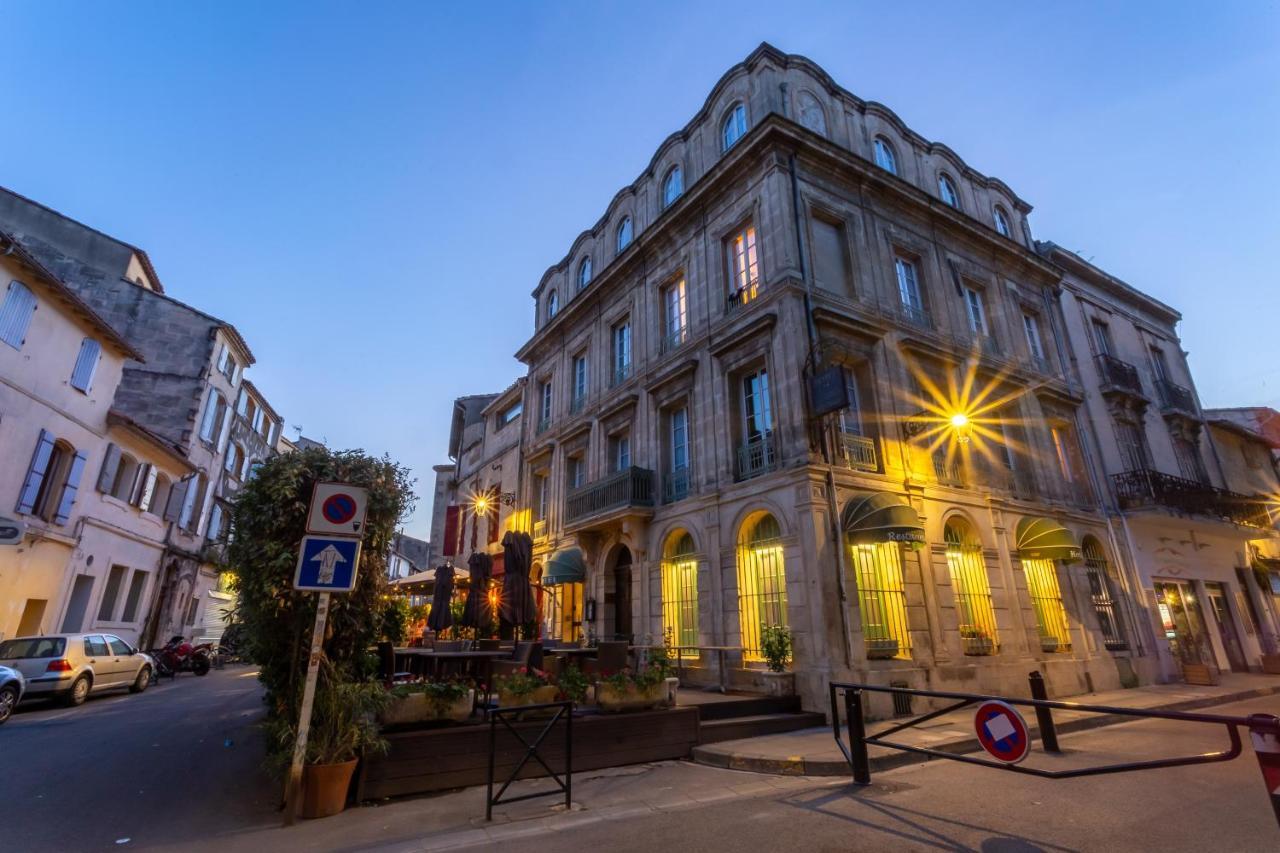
(1183,627)
(1226,626)
(32,617)
(77,604)
(622,595)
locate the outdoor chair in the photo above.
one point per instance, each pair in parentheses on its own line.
(387,665)
(611,656)
(490,645)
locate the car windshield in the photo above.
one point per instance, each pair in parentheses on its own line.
(32,647)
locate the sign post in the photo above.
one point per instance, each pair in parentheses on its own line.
(327,563)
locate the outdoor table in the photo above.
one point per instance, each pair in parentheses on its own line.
(722,670)
(573,655)
(433,658)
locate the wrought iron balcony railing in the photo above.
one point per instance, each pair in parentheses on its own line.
(577,404)
(1145,487)
(543,425)
(676,485)
(915,315)
(859,452)
(1175,397)
(948,473)
(756,456)
(540,529)
(630,488)
(1118,374)
(741,296)
(675,339)
(621,373)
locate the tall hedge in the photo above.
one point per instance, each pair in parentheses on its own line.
(269,521)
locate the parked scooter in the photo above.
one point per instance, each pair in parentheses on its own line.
(180,656)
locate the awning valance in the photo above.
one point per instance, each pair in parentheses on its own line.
(871,517)
(1046,538)
(566,566)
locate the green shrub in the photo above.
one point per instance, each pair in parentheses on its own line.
(775,645)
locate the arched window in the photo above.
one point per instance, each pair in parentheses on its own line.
(1002,222)
(977,616)
(735,125)
(672,186)
(811,113)
(877,568)
(1046,601)
(584,272)
(680,590)
(947,191)
(624,233)
(885,157)
(1098,571)
(553,305)
(762,581)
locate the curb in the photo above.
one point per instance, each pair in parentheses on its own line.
(798,765)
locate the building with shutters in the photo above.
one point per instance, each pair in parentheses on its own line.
(91,484)
(185,385)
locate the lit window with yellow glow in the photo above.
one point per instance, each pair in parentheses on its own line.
(744,266)
(680,590)
(882,600)
(974,609)
(1046,600)
(762,581)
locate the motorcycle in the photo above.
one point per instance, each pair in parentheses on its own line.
(180,656)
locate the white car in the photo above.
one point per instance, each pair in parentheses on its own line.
(71,666)
(12,686)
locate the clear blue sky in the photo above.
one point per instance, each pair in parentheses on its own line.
(369,192)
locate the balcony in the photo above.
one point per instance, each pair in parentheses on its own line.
(543,425)
(1147,488)
(988,346)
(540,529)
(1043,365)
(621,373)
(675,339)
(948,473)
(676,485)
(577,404)
(1175,398)
(1118,375)
(625,490)
(859,452)
(756,457)
(915,315)
(741,296)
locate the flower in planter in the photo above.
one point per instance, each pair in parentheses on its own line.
(521,683)
(573,684)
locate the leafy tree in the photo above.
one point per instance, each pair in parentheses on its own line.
(269,520)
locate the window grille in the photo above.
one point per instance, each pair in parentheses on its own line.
(979,634)
(1098,572)
(882,599)
(680,593)
(762,584)
(1046,600)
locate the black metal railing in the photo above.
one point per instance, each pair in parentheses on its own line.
(859,452)
(1118,374)
(1175,397)
(989,345)
(1145,487)
(737,298)
(676,485)
(543,425)
(563,712)
(577,404)
(756,457)
(915,315)
(948,472)
(621,373)
(675,339)
(632,487)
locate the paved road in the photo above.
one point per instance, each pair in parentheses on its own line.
(178,762)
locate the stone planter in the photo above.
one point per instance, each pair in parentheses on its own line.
(978,646)
(1049,645)
(539,696)
(882,648)
(779,683)
(613,700)
(1271,664)
(418,708)
(1199,673)
(324,788)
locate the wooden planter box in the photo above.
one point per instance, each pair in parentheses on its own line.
(1199,673)
(978,646)
(540,696)
(456,757)
(612,700)
(1271,664)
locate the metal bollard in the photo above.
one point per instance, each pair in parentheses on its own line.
(1044,716)
(857,737)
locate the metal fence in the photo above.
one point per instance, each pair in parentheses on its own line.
(563,711)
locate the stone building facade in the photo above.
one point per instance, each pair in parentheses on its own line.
(809,370)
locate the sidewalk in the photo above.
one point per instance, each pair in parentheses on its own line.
(813,752)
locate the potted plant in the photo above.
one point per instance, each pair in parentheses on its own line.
(881,648)
(573,684)
(426,701)
(343,725)
(525,686)
(627,690)
(776,646)
(976,641)
(660,658)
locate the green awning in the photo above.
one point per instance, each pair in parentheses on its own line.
(871,517)
(566,566)
(1046,538)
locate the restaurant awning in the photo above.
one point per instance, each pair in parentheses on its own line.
(871,517)
(1046,538)
(566,566)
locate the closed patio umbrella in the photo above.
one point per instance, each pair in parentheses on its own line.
(441,617)
(475,612)
(518,605)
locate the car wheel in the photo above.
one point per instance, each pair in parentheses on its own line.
(8,701)
(79,691)
(142,682)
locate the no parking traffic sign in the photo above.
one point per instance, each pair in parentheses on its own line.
(337,509)
(1002,731)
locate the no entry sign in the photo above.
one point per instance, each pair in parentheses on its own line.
(1002,731)
(337,509)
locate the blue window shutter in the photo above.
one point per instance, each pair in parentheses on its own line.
(70,489)
(86,364)
(15,314)
(36,472)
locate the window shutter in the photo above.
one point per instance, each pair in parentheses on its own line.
(222,359)
(177,497)
(15,314)
(139,484)
(148,489)
(224,433)
(450,547)
(86,363)
(190,493)
(110,464)
(71,488)
(210,411)
(200,519)
(35,472)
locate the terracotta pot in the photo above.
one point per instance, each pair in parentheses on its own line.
(324,788)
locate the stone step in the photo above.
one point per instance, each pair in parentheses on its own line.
(746,705)
(755,725)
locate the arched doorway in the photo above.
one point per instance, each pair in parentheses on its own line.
(622,594)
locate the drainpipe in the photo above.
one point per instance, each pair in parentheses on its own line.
(828,454)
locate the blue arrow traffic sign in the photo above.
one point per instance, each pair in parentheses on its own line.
(327,564)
